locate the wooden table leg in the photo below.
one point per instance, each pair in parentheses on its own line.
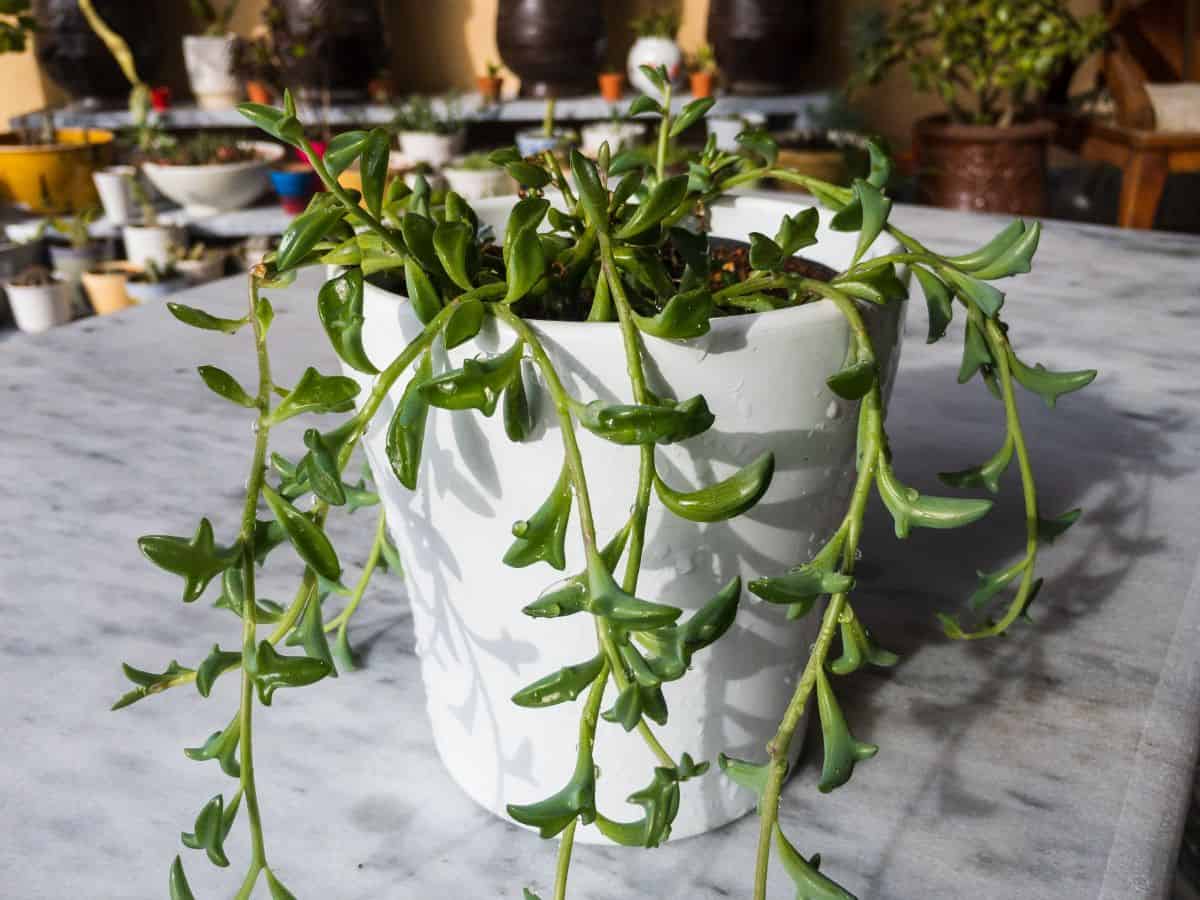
(1141,188)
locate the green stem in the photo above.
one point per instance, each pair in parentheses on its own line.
(563,868)
(343,618)
(664,131)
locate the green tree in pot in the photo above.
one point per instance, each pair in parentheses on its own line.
(991,63)
(621,246)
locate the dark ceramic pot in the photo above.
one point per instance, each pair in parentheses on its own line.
(760,43)
(981,167)
(80,63)
(554,46)
(334,45)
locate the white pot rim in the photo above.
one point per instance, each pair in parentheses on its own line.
(56,277)
(268,154)
(811,314)
(211,38)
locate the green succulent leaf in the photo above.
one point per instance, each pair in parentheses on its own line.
(340,307)
(660,800)
(526,215)
(647,424)
(406,431)
(306,231)
(418,231)
(909,507)
(690,114)
(376,151)
(309,541)
(215,664)
(673,646)
(725,499)
(592,195)
(989,252)
(560,687)
(563,599)
(276,122)
(855,381)
(1047,384)
(881,165)
(643,104)
(148,683)
(842,750)
(543,535)
(454,244)
(748,775)
(765,254)
(938,299)
(1017,259)
(177,882)
(627,710)
(976,355)
(526,265)
(606,599)
(875,210)
(316,393)
(321,470)
(858,649)
(1049,529)
(810,883)
(198,318)
(425,300)
(225,385)
(627,161)
(518,420)
(663,199)
(992,583)
(464,323)
(274,671)
(802,585)
(221,746)
(685,316)
(208,834)
(478,384)
(797,232)
(278,891)
(312,633)
(879,285)
(527,174)
(576,800)
(987,474)
(198,561)
(343,150)
(760,143)
(987,298)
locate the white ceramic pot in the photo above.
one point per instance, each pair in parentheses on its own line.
(40,307)
(764,378)
(116,193)
(208,190)
(475,184)
(726,128)
(653,51)
(532,141)
(431,148)
(151,292)
(150,244)
(15,258)
(620,135)
(209,62)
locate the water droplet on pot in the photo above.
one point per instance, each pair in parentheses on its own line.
(834,410)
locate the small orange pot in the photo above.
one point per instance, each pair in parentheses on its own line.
(489,87)
(702,84)
(258,92)
(105,287)
(612,85)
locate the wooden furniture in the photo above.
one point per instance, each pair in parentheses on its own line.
(1153,41)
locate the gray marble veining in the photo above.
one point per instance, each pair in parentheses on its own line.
(1054,764)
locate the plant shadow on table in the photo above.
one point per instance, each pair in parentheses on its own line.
(1088,452)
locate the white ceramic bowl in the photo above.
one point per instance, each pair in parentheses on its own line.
(475,184)
(207,190)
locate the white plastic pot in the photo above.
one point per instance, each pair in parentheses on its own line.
(475,184)
(764,378)
(653,51)
(116,193)
(209,62)
(428,147)
(217,187)
(153,291)
(150,244)
(40,307)
(619,135)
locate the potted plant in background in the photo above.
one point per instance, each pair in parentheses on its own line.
(992,71)
(104,285)
(702,71)
(475,176)
(39,299)
(148,242)
(209,172)
(257,65)
(116,193)
(726,128)
(430,130)
(533,141)
(199,263)
(72,248)
(619,134)
(48,173)
(209,56)
(587,320)
(152,283)
(490,84)
(654,46)
(612,84)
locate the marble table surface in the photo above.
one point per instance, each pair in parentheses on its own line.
(1052,764)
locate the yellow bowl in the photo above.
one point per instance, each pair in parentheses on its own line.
(54,177)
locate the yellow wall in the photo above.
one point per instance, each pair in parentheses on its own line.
(451,47)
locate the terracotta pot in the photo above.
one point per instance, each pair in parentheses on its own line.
(105,287)
(553,46)
(981,167)
(612,85)
(489,88)
(758,42)
(258,92)
(702,84)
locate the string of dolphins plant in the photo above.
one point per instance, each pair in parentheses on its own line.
(602,258)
